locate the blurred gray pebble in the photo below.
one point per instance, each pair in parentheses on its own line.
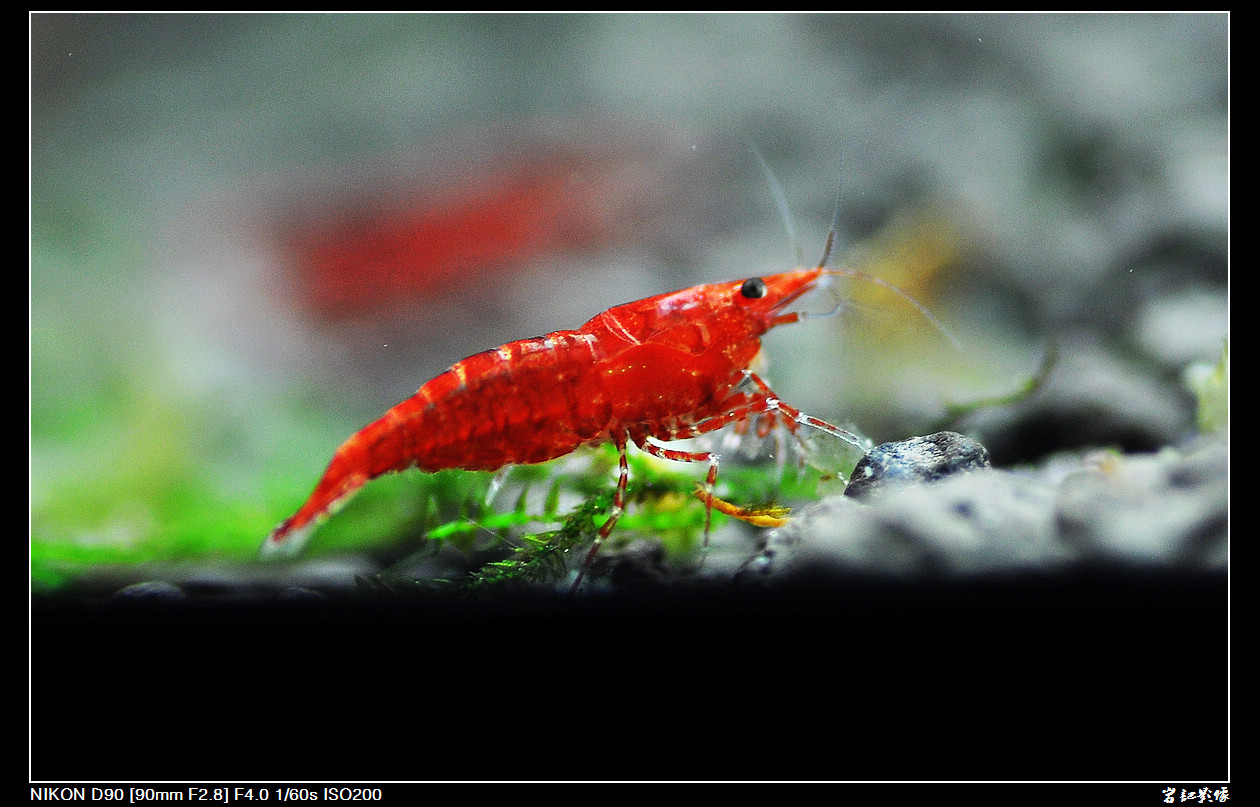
(149,591)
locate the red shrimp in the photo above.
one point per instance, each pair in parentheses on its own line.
(663,368)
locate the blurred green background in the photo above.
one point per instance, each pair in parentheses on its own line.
(207,192)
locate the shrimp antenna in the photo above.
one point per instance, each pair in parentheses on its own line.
(884,284)
(780,201)
(853,273)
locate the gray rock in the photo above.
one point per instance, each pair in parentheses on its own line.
(919,459)
(1166,511)
(1169,509)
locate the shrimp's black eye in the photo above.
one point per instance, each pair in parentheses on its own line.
(753,288)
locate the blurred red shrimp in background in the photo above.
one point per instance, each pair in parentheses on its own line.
(373,240)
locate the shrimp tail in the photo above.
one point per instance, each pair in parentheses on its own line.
(350,469)
(333,491)
(291,535)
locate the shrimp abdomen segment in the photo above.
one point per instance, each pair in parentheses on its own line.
(528,401)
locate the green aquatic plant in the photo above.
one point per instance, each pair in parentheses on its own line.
(661,504)
(1210,384)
